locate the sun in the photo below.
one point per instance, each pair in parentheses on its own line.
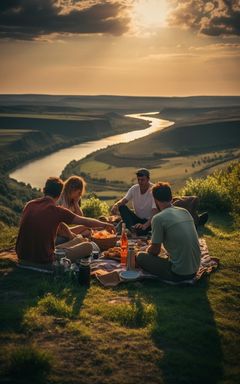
(150,14)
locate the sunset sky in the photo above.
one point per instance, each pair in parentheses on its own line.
(129,47)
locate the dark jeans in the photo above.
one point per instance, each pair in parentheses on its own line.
(160,267)
(129,217)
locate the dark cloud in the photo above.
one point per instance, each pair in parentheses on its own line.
(214,18)
(28,19)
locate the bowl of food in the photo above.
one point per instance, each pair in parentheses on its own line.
(104,239)
(112,253)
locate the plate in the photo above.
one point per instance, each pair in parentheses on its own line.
(129,275)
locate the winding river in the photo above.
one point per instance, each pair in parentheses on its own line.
(36,172)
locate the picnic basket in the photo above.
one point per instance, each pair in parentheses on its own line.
(104,239)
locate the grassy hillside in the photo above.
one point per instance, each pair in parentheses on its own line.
(143,332)
(13,197)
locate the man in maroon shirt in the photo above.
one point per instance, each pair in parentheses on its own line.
(39,224)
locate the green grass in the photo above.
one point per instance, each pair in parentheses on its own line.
(27,363)
(136,333)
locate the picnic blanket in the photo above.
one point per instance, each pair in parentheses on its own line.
(107,271)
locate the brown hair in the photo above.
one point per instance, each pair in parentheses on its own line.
(162,192)
(73,183)
(53,187)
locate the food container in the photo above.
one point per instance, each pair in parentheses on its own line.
(131,259)
(104,239)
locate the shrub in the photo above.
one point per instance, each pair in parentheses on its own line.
(213,196)
(8,216)
(94,207)
(218,192)
(7,235)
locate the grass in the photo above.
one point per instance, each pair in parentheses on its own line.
(7,236)
(29,363)
(136,333)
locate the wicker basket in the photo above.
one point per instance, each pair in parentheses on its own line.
(106,242)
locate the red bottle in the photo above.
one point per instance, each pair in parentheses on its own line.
(124,245)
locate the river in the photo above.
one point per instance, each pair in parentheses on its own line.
(36,172)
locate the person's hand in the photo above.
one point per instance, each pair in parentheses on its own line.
(114,209)
(110,228)
(141,226)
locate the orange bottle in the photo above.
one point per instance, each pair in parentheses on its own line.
(124,245)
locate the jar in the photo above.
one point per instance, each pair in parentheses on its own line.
(58,267)
(84,272)
(131,259)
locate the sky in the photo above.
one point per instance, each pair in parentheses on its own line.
(127,47)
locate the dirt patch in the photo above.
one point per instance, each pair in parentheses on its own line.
(120,300)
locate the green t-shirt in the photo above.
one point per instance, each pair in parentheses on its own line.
(174,227)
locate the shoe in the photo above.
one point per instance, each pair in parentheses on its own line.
(203,218)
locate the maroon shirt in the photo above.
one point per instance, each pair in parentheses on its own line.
(38,228)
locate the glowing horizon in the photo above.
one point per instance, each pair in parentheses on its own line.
(132,47)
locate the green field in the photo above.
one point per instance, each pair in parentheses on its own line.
(176,170)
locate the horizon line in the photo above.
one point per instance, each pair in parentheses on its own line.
(116,95)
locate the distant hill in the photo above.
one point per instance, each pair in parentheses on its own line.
(126,104)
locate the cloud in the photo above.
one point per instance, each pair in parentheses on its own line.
(30,20)
(213,18)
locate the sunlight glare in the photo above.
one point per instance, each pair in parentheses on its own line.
(150,13)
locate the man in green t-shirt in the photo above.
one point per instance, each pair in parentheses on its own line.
(174,228)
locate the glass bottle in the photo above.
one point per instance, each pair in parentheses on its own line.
(124,245)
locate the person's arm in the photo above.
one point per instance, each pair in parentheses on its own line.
(123,201)
(65,231)
(93,223)
(115,207)
(157,237)
(77,209)
(154,249)
(148,223)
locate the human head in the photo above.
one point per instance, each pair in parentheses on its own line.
(74,188)
(143,172)
(143,178)
(162,193)
(53,187)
